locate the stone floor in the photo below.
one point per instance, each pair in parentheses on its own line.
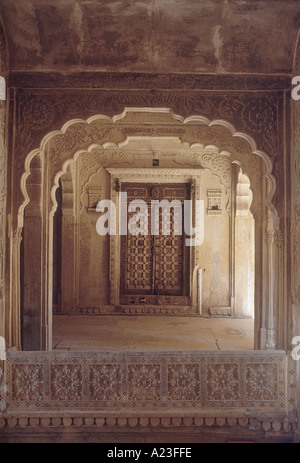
(138,333)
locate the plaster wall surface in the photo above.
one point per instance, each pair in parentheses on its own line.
(152,35)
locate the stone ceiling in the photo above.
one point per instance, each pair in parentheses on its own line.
(202,36)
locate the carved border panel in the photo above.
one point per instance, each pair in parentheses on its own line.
(254,113)
(148,381)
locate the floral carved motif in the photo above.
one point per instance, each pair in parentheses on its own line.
(66,382)
(144,382)
(28,382)
(261,382)
(105,382)
(38,113)
(222,382)
(183,382)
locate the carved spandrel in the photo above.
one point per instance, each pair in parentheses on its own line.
(256,115)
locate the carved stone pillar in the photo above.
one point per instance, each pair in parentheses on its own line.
(114,269)
(68,263)
(33,271)
(68,245)
(243,248)
(279,290)
(275,287)
(15,315)
(32,286)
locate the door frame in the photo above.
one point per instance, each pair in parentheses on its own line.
(148,175)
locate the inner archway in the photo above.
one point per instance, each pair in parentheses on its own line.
(160,153)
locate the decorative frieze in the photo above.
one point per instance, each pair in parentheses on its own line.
(146,381)
(255,114)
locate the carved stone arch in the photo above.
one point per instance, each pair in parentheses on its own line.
(101,131)
(247,160)
(60,148)
(28,165)
(254,176)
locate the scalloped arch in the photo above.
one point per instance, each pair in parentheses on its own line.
(201,120)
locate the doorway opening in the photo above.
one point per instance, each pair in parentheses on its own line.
(155,261)
(155,270)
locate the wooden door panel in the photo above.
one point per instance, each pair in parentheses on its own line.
(155,264)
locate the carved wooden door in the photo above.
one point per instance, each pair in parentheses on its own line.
(155,263)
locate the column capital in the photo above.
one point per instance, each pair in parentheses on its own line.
(17,236)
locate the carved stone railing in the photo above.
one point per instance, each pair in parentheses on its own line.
(146,381)
(144,388)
